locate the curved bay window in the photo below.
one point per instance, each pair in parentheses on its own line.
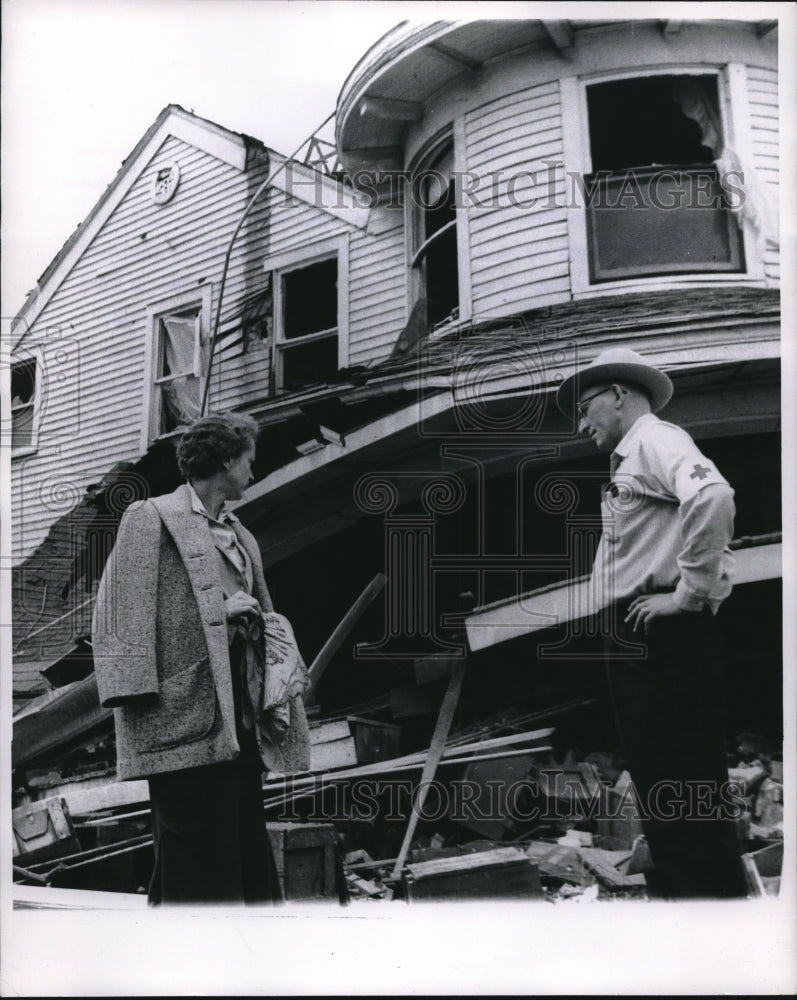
(434,229)
(655,203)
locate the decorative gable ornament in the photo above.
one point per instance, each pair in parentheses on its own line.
(165,181)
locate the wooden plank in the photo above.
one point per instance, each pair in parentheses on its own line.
(602,863)
(558,861)
(503,872)
(466,862)
(346,624)
(439,737)
(34,897)
(92,797)
(328,732)
(755,884)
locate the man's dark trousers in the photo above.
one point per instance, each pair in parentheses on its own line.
(668,703)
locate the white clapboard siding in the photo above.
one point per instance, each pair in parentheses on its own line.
(762,95)
(144,254)
(377,294)
(518,246)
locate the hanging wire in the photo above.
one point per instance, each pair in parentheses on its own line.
(266,183)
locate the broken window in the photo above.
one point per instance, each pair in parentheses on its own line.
(179,369)
(23,404)
(654,200)
(307,344)
(434,259)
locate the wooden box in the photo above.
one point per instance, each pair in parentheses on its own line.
(331,745)
(503,873)
(43,830)
(306,858)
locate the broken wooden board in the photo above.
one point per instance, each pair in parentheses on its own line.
(504,873)
(769,860)
(331,745)
(559,861)
(604,865)
(39,897)
(90,795)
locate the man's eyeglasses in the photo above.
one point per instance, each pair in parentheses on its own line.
(583,406)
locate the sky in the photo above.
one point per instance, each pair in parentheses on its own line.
(82,81)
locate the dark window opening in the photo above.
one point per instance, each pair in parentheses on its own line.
(435,249)
(313,362)
(23,397)
(637,123)
(655,204)
(311,299)
(309,347)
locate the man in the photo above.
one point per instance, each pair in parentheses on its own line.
(661,571)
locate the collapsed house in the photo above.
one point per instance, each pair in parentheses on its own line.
(503,201)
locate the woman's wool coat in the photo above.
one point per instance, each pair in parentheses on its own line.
(160,643)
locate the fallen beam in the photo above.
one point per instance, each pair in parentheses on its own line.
(347,623)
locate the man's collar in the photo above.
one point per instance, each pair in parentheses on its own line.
(623,448)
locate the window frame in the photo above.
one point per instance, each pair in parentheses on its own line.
(199,298)
(578,158)
(453,135)
(31,354)
(336,247)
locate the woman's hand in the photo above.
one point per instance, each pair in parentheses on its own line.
(241,604)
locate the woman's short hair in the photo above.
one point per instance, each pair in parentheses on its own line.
(213,440)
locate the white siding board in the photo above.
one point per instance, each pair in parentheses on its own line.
(519,252)
(499,224)
(508,156)
(762,92)
(541,96)
(549,124)
(509,263)
(105,313)
(377,294)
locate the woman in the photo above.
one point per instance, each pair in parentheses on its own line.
(204,678)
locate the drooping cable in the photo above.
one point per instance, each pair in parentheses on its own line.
(217,324)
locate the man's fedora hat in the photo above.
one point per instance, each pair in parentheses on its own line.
(617,364)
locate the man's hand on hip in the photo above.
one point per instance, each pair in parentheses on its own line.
(645,608)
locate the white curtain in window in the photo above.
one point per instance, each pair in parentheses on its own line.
(758,208)
(183,356)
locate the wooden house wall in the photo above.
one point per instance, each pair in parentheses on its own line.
(377,292)
(762,96)
(144,254)
(518,254)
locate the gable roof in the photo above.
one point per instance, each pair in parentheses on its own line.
(215,140)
